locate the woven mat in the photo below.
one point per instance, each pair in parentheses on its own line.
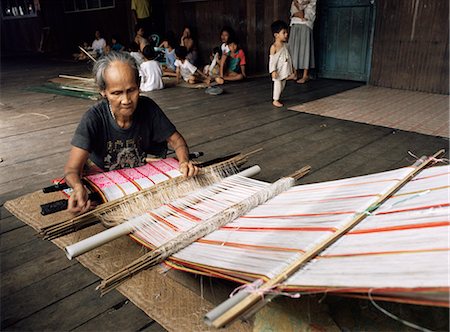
(420,112)
(172,82)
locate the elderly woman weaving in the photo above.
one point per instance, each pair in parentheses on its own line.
(121,130)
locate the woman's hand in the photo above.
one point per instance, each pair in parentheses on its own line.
(188,169)
(274,74)
(79,200)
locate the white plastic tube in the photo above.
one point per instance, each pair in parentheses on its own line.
(113,233)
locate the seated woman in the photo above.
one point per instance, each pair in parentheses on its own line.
(232,65)
(140,37)
(121,130)
(192,54)
(226,34)
(186,34)
(98,45)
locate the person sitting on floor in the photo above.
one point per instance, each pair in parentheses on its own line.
(121,130)
(232,65)
(226,34)
(115,45)
(140,37)
(136,54)
(170,57)
(212,70)
(98,45)
(81,56)
(150,71)
(185,69)
(192,54)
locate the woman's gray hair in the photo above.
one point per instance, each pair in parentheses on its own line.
(105,61)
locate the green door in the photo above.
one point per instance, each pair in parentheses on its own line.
(345,35)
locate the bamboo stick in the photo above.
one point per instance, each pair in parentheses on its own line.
(87,53)
(247,300)
(87,79)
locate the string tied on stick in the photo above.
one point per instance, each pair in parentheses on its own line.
(255,287)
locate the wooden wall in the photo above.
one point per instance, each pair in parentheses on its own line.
(410,47)
(250,19)
(67,30)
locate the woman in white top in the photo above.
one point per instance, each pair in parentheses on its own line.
(301,43)
(98,45)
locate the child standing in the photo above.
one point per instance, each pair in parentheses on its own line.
(185,69)
(151,73)
(280,61)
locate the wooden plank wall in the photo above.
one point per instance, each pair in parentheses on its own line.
(67,30)
(410,47)
(250,19)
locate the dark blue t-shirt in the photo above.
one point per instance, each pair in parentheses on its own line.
(112,147)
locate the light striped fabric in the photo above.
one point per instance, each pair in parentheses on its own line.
(403,246)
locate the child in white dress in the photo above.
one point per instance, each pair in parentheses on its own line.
(280,61)
(150,71)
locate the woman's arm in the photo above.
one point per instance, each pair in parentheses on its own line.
(78,201)
(177,142)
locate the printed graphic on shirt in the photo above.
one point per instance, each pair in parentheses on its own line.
(123,154)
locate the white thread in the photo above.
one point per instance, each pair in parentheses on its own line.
(398,319)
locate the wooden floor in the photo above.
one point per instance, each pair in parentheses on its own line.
(42,290)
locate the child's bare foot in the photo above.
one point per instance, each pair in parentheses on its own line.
(276,103)
(219,80)
(303,80)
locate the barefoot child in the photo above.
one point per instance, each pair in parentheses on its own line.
(232,64)
(187,70)
(280,62)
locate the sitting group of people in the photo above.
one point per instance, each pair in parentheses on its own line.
(179,59)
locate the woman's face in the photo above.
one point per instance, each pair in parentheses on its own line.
(186,32)
(224,36)
(122,90)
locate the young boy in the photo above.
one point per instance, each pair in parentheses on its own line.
(169,53)
(235,64)
(151,73)
(280,61)
(185,69)
(115,45)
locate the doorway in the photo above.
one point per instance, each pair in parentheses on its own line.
(345,39)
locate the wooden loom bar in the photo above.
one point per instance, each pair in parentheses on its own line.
(245,301)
